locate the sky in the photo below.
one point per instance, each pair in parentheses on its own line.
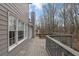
(37,8)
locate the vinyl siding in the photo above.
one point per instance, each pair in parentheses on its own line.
(3,30)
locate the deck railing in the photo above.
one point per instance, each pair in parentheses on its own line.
(56,47)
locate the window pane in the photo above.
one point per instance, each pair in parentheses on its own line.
(12,30)
(20,31)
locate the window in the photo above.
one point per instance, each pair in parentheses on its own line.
(16,31)
(12,30)
(20,30)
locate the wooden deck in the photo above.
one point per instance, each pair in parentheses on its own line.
(35,47)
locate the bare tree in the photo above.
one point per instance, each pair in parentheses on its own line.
(49,12)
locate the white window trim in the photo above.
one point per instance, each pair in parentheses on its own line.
(17,31)
(17,42)
(15,45)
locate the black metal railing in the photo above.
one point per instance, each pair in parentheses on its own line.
(56,47)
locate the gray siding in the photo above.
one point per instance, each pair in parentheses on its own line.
(3,30)
(4,8)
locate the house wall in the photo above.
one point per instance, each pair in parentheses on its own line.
(21,14)
(3,30)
